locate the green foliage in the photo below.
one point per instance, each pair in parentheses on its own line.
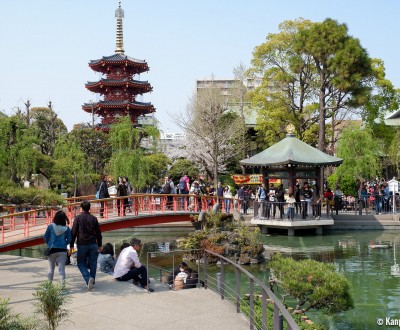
(10,321)
(384,97)
(181,166)
(394,150)
(360,152)
(313,72)
(19,151)
(218,232)
(313,284)
(193,240)
(69,163)
(129,158)
(52,300)
(246,236)
(48,128)
(245,308)
(157,164)
(346,183)
(95,145)
(14,194)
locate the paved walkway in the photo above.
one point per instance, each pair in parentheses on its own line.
(118,305)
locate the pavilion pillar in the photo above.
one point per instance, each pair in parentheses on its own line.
(291,179)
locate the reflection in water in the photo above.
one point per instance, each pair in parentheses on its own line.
(366,258)
(395,268)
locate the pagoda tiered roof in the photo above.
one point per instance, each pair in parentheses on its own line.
(144,107)
(133,65)
(117,86)
(140,86)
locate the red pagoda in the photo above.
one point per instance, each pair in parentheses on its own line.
(117,85)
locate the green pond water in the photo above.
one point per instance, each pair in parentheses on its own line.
(367,259)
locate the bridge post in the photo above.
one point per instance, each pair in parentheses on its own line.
(264,229)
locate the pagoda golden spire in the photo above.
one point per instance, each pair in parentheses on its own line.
(119,14)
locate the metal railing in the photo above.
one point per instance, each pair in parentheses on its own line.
(304,210)
(33,222)
(252,300)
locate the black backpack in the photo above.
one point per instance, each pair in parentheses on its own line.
(167,188)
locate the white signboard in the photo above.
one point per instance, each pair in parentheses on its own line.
(394,186)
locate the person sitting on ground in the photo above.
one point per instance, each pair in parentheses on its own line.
(191,280)
(170,279)
(128,266)
(180,278)
(105,260)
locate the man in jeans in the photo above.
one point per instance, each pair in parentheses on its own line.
(86,231)
(128,266)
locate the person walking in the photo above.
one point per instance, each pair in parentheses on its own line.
(103,193)
(128,266)
(86,231)
(122,191)
(183,188)
(57,237)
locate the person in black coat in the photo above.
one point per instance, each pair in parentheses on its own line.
(103,193)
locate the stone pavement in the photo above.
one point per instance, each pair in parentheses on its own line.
(118,305)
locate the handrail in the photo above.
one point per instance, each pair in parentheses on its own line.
(26,224)
(278,306)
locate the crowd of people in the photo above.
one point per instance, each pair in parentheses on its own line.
(85,240)
(91,255)
(273,201)
(375,195)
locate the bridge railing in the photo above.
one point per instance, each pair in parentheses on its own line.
(25,224)
(250,295)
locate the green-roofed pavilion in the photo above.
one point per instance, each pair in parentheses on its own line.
(290,159)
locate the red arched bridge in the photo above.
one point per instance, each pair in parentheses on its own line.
(24,229)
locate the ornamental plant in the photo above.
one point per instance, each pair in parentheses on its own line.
(221,235)
(51,303)
(11,321)
(313,284)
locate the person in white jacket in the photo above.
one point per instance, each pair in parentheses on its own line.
(227,198)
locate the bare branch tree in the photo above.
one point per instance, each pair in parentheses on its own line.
(212,132)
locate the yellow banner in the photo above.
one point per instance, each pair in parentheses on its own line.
(247,178)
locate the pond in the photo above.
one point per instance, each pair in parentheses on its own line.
(368,259)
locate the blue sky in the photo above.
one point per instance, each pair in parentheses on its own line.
(47,44)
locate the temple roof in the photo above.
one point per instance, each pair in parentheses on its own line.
(143,86)
(292,151)
(118,104)
(118,58)
(119,82)
(393,119)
